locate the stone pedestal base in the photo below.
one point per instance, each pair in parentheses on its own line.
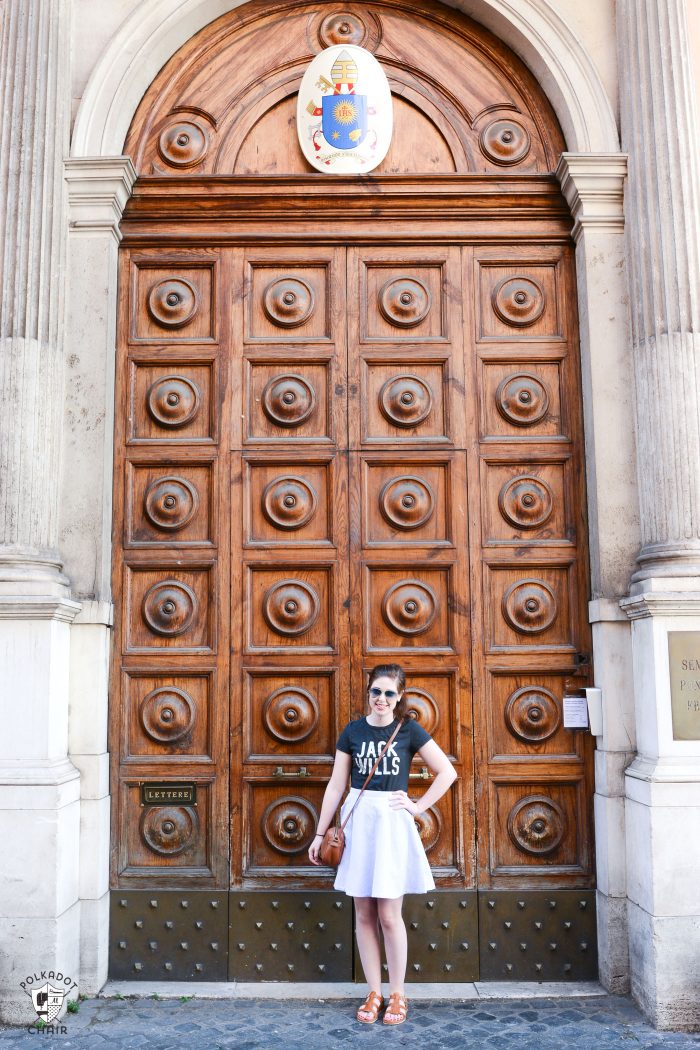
(39,788)
(613,943)
(94,944)
(39,907)
(665,954)
(662,808)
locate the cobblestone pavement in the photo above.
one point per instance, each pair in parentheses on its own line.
(598,1023)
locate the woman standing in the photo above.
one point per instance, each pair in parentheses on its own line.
(384,857)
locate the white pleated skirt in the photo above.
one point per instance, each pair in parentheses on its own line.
(383,856)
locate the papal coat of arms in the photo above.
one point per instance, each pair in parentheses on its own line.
(344,111)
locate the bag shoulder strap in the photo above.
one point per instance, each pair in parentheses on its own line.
(373,770)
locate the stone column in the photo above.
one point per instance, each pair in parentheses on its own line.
(98,189)
(39,786)
(660,133)
(593,186)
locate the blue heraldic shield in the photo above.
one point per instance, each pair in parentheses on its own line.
(344,120)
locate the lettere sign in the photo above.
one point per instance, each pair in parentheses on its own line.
(169,793)
(684,670)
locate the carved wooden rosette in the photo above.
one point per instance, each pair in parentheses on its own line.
(173,401)
(291,607)
(291,713)
(167,714)
(289,824)
(288,400)
(169,607)
(289,502)
(532,714)
(536,825)
(172,303)
(406,400)
(170,503)
(169,830)
(522,399)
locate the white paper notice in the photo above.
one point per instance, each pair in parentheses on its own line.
(575,712)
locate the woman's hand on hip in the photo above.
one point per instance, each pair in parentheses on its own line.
(400,800)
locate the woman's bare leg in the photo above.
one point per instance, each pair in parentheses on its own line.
(395,940)
(367,933)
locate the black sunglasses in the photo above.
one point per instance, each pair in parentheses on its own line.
(390,694)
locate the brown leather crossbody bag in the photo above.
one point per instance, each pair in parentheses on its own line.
(333,843)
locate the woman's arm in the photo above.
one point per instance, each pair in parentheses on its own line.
(331,798)
(445,774)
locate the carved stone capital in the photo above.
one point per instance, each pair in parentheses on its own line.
(662,603)
(592,184)
(98,189)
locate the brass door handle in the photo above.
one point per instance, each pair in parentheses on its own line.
(302,772)
(423,775)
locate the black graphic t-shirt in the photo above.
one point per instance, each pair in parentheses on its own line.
(364,742)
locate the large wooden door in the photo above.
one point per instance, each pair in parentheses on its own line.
(336,457)
(348,431)
(349,536)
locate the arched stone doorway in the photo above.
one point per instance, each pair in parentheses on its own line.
(466,216)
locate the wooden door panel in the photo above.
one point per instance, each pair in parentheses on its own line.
(286,507)
(527,530)
(288,301)
(528,503)
(406,299)
(170,717)
(539,826)
(408,609)
(521,400)
(279,825)
(432,698)
(408,501)
(289,585)
(172,840)
(171,403)
(439,830)
(170,503)
(292,606)
(176,301)
(529,609)
(289,402)
(404,402)
(170,608)
(408,510)
(526,718)
(518,301)
(402,299)
(290,715)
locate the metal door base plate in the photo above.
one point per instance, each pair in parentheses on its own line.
(453,936)
(536,935)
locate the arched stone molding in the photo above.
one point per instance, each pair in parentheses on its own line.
(532,28)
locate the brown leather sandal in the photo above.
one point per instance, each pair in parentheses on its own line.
(398,1007)
(372,1005)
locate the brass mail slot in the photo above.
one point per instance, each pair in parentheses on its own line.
(168,793)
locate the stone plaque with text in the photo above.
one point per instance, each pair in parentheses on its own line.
(684,669)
